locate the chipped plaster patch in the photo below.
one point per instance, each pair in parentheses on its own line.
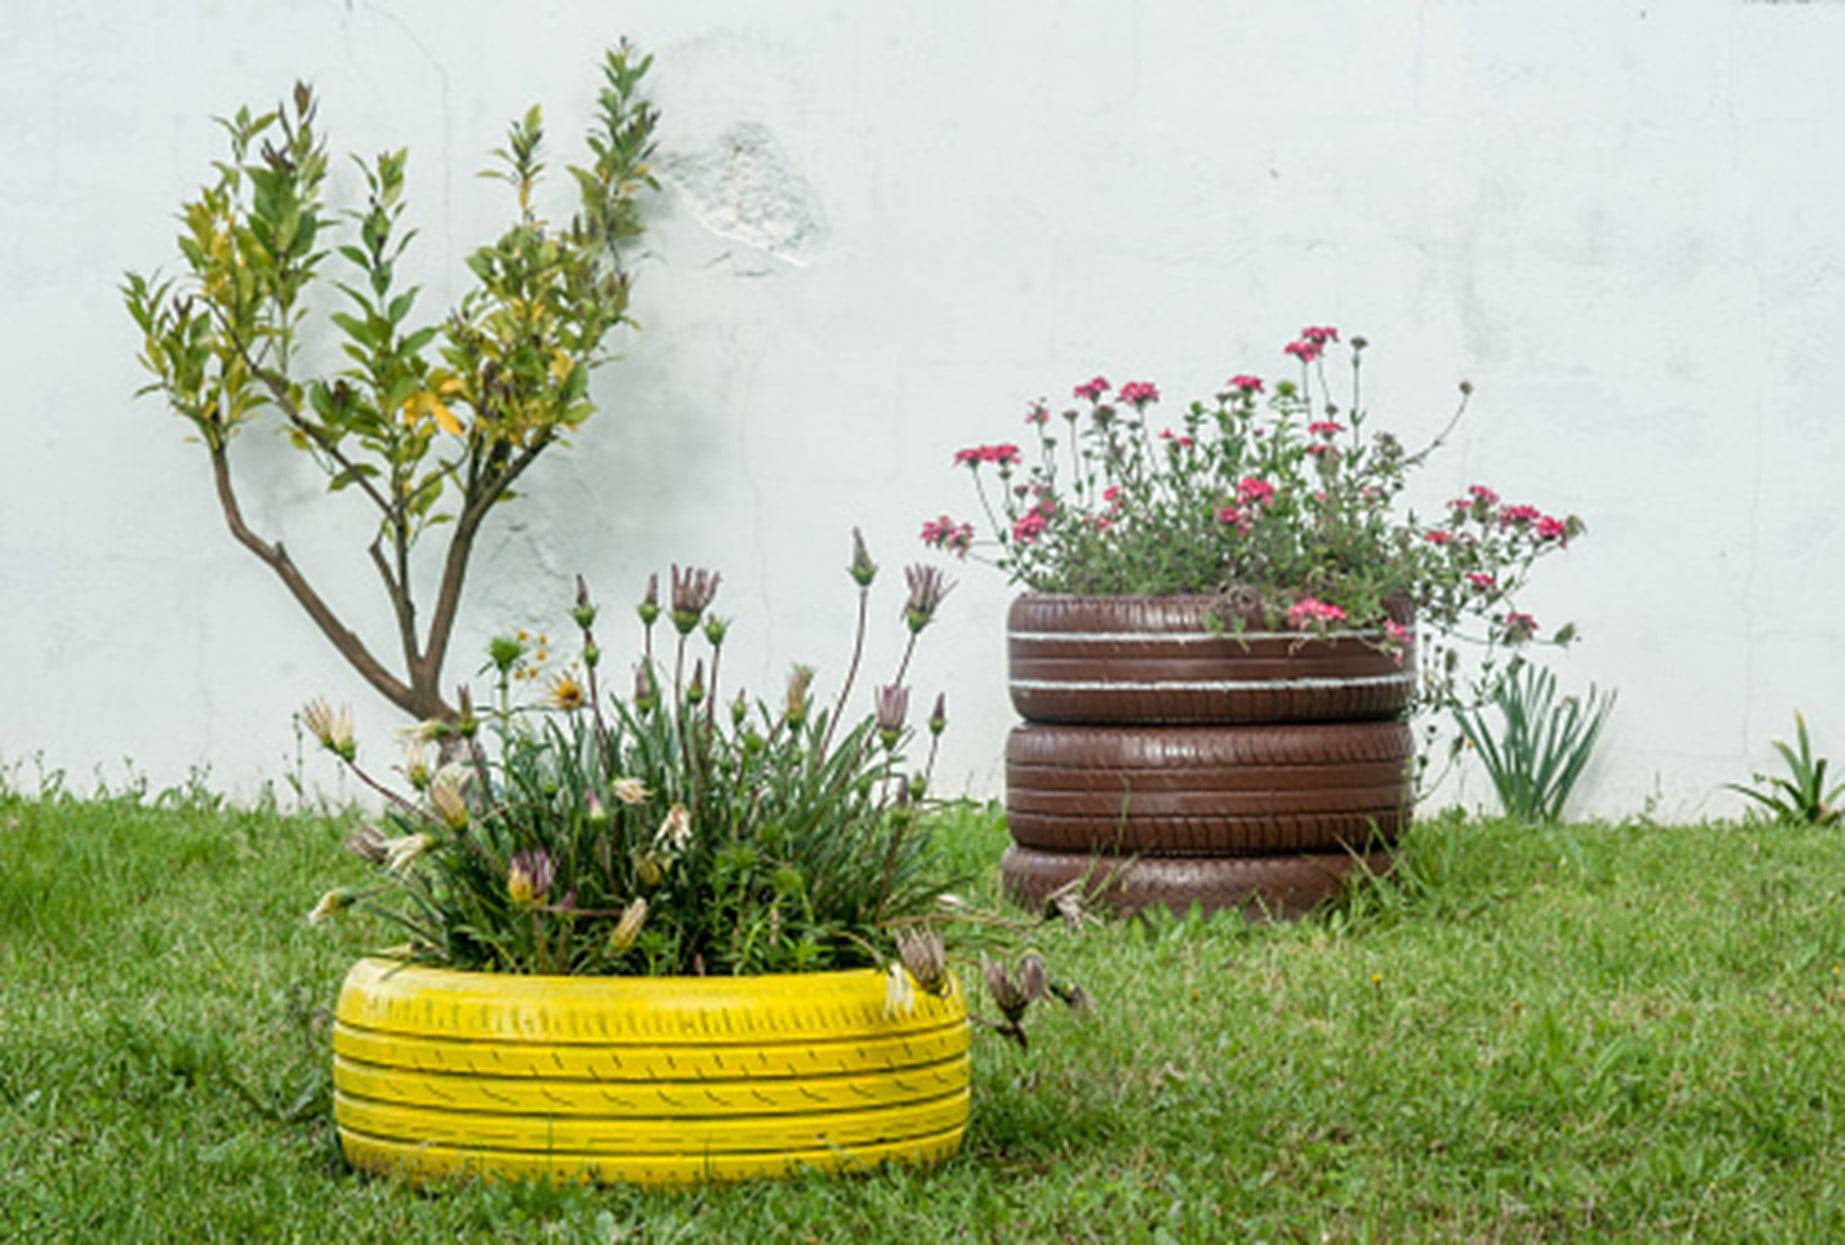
(745,188)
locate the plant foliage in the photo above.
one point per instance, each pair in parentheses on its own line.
(430,422)
(1542,743)
(1802,798)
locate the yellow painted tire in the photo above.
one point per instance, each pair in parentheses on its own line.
(648,1080)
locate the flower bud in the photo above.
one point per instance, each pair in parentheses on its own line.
(695,690)
(938,716)
(799,680)
(584,615)
(863,570)
(649,608)
(739,709)
(715,630)
(647,869)
(892,704)
(646,690)
(591,655)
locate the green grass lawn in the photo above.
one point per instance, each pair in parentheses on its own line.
(1590,1032)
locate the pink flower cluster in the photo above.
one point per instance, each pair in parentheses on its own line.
(1039,414)
(1326,428)
(1138,393)
(1253,489)
(1311,343)
(945,533)
(1005,455)
(1029,527)
(1246,383)
(1093,389)
(1309,610)
(1482,581)
(1518,627)
(1177,438)
(1399,638)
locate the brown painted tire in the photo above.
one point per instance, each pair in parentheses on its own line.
(1161,660)
(1208,790)
(1261,887)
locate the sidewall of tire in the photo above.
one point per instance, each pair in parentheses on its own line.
(650,1081)
(1191,659)
(1208,790)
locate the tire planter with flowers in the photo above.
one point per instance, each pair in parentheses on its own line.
(440,1073)
(1177,751)
(1214,653)
(655,944)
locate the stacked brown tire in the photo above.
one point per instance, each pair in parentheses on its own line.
(1170,756)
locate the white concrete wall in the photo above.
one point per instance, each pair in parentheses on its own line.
(1621,221)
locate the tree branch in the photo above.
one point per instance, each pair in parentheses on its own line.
(349,645)
(455,566)
(401,605)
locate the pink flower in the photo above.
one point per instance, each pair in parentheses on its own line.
(1305,351)
(1039,413)
(1138,393)
(1254,489)
(1438,536)
(1112,494)
(1483,495)
(1093,390)
(1461,503)
(1246,383)
(1319,336)
(1399,637)
(1319,449)
(1234,517)
(1029,527)
(1177,438)
(1549,528)
(1005,455)
(1103,523)
(1519,627)
(1518,514)
(1326,428)
(1481,580)
(945,533)
(1309,610)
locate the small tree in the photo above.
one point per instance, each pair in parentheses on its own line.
(431,424)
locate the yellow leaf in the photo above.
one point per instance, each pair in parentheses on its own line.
(444,416)
(560,365)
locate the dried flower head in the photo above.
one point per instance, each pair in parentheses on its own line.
(928,585)
(630,791)
(1070,902)
(368,844)
(1008,995)
(528,876)
(675,833)
(693,590)
(628,928)
(925,956)
(402,852)
(892,704)
(446,798)
(333,728)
